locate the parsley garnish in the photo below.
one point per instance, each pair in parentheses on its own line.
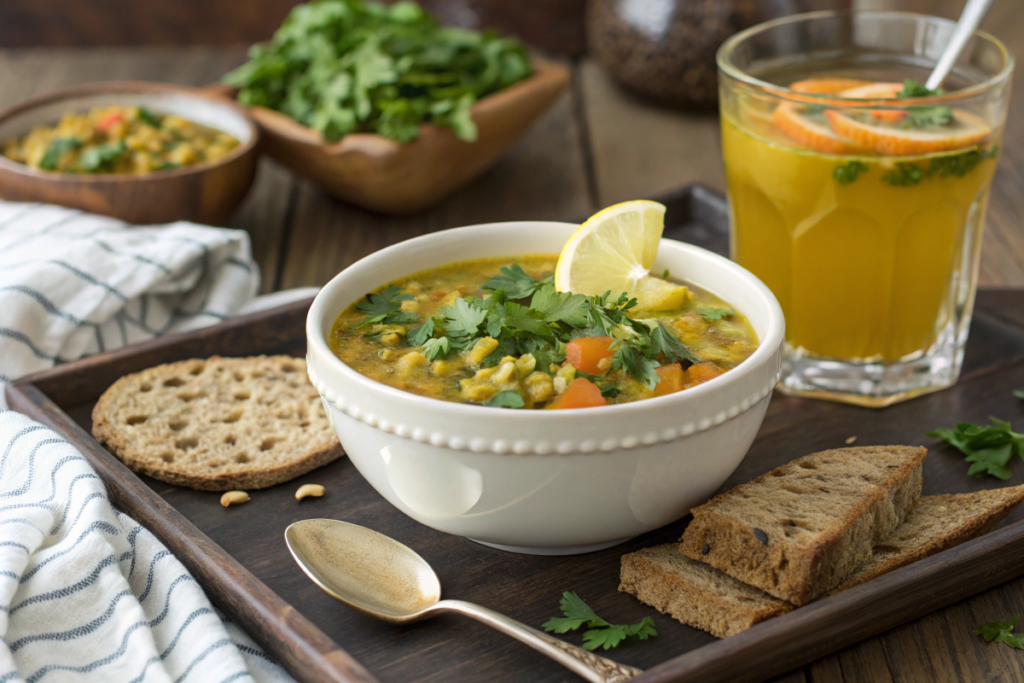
(922,117)
(1001,632)
(514,282)
(848,173)
(344,66)
(989,448)
(532,317)
(601,634)
(506,399)
(53,153)
(437,348)
(1019,394)
(912,88)
(100,157)
(712,313)
(904,175)
(147,117)
(462,319)
(385,308)
(907,174)
(418,336)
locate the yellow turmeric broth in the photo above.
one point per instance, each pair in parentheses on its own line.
(528,352)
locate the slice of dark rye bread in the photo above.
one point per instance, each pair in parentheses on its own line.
(800,530)
(936,524)
(695,593)
(705,598)
(218,424)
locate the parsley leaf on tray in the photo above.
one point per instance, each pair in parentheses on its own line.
(1001,632)
(601,633)
(346,66)
(989,448)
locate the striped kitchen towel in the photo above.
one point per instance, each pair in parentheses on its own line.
(73,284)
(86,594)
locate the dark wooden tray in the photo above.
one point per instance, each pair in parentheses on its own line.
(239,555)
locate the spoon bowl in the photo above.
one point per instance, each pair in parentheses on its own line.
(383,578)
(366,570)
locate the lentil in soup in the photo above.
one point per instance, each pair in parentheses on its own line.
(495,332)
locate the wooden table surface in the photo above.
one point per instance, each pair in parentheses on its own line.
(595,147)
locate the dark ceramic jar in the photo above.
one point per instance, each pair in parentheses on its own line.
(665,49)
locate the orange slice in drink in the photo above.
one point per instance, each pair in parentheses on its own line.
(826,86)
(812,134)
(966,129)
(878,91)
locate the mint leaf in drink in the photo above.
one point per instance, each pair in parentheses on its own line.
(847,173)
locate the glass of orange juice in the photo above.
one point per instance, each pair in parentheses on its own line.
(858,196)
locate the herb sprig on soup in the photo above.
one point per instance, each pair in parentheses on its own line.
(496,332)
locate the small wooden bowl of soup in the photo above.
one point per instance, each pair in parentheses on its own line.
(141,152)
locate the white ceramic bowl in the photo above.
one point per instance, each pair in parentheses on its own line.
(539,481)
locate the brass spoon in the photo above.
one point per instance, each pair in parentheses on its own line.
(382,578)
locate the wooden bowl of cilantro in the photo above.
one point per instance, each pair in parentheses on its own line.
(385,108)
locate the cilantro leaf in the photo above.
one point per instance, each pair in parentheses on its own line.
(912,88)
(1001,632)
(601,633)
(577,613)
(342,66)
(991,461)
(438,347)
(100,157)
(514,282)
(712,313)
(56,149)
(613,635)
(904,175)
(554,306)
(847,173)
(988,447)
(387,300)
(665,342)
(629,358)
(462,318)
(925,117)
(147,117)
(506,399)
(418,336)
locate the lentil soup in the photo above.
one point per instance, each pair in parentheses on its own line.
(495,332)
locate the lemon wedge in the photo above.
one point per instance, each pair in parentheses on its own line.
(614,250)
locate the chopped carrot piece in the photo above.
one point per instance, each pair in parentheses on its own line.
(109,120)
(700,373)
(582,393)
(586,353)
(671,379)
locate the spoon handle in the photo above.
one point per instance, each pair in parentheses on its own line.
(584,664)
(970,19)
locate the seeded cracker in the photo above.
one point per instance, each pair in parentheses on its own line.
(218,424)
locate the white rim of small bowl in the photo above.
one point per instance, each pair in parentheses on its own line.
(127,88)
(768,347)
